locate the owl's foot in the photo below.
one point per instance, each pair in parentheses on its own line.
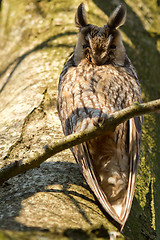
(98,122)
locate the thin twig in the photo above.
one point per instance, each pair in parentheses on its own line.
(69,141)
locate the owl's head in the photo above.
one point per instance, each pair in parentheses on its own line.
(100,45)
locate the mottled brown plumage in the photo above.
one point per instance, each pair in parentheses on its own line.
(98,80)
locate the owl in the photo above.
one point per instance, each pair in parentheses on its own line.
(98,80)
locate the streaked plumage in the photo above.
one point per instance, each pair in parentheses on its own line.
(98,80)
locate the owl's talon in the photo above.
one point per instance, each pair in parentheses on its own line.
(98,122)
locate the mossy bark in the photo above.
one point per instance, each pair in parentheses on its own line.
(36,37)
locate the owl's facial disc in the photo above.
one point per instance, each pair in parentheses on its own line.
(100,47)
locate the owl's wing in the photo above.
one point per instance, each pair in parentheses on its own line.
(89,173)
(135,125)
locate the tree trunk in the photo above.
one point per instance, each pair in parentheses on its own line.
(36,37)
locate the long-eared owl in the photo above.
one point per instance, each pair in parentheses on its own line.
(97,80)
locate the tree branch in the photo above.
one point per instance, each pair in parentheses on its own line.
(69,141)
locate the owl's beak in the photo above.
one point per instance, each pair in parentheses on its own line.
(98,60)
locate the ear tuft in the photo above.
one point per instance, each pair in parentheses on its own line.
(80,17)
(118,17)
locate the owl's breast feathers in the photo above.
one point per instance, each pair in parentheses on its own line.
(89,91)
(109,163)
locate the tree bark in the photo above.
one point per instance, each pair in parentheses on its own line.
(36,37)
